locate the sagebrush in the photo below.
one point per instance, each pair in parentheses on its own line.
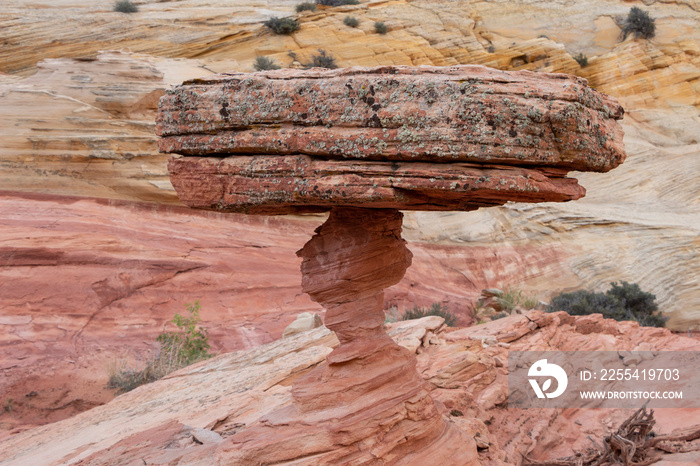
(177,349)
(581,59)
(8,406)
(306,6)
(323,60)
(639,23)
(264,63)
(125,6)
(282,25)
(392,315)
(625,301)
(380,27)
(351,21)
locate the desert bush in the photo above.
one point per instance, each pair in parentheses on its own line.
(189,342)
(351,21)
(282,25)
(125,6)
(625,301)
(583,302)
(323,60)
(187,345)
(581,59)
(639,305)
(306,6)
(380,27)
(337,2)
(125,377)
(437,309)
(264,63)
(513,297)
(639,23)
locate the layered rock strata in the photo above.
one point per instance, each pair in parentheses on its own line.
(366,402)
(465,369)
(364,143)
(458,138)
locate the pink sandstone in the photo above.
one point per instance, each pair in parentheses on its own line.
(227,394)
(136,265)
(439,141)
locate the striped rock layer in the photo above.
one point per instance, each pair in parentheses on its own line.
(364,143)
(412,138)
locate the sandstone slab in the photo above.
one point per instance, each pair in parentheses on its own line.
(437,114)
(300,183)
(423,138)
(230,393)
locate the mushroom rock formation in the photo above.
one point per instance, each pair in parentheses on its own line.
(365,143)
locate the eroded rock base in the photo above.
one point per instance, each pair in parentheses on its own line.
(366,403)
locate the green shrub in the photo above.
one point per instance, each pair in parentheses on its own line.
(187,345)
(190,342)
(306,6)
(323,60)
(264,63)
(351,21)
(337,2)
(437,309)
(621,302)
(125,6)
(639,23)
(583,302)
(380,27)
(639,305)
(282,25)
(581,59)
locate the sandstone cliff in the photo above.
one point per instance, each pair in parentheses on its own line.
(96,139)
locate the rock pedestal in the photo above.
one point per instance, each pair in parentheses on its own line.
(364,143)
(367,403)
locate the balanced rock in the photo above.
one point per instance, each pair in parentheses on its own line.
(364,143)
(457,138)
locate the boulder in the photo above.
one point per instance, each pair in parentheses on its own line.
(408,138)
(304,321)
